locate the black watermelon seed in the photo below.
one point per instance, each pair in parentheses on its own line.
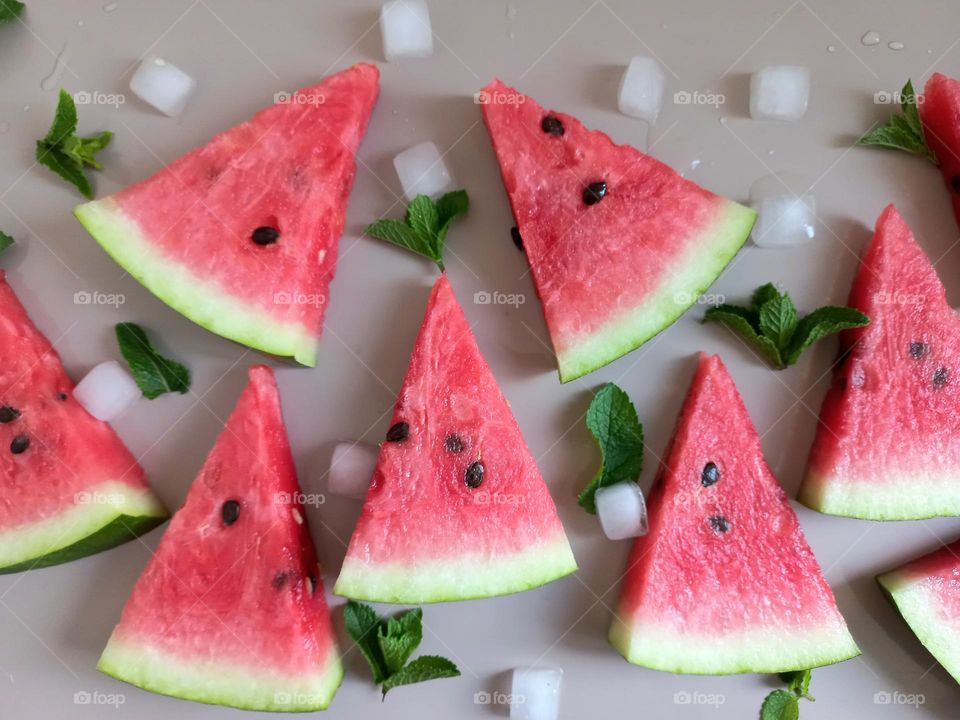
(719,523)
(474,475)
(62,397)
(265,235)
(710,475)
(552,125)
(594,192)
(280,579)
(20,444)
(230,512)
(940,377)
(453,443)
(955,183)
(517,240)
(917,349)
(312,579)
(8,414)
(398,431)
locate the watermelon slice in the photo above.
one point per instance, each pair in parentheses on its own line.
(940,115)
(241,234)
(885,447)
(610,272)
(230,609)
(926,592)
(457,508)
(68,486)
(725,581)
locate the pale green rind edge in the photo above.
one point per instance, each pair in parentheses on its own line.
(901,496)
(761,650)
(114,513)
(219,682)
(462,578)
(193,297)
(708,255)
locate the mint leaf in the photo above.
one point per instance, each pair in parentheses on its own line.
(798,682)
(764,294)
(778,320)
(362,625)
(904,131)
(780,705)
(10,9)
(5,240)
(425,225)
(155,374)
(613,421)
(745,323)
(820,323)
(399,637)
(425,667)
(66,154)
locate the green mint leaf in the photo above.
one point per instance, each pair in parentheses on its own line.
(820,323)
(423,217)
(82,150)
(399,233)
(9,10)
(798,682)
(904,131)
(780,705)
(66,167)
(155,374)
(449,207)
(762,295)
(66,154)
(363,626)
(746,324)
(425,225)
(778,320)
(613,420)
(425,667)
(5,240)
(399,637)
(64,120)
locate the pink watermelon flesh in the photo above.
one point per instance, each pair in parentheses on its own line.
(885,447)
(926,592)
(68,486)
(233,613)
(725,581)
(187,232)
(940,115)
(424,534)
(613,274)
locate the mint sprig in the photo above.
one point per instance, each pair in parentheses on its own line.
(388,643)
(5,240)
(155,374)
(772,326)
(66,154)
(9,10)
(785,704)
(613,421)
(904,131)
(424,228)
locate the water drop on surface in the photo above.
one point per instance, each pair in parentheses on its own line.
(79,23)
(871,37)
(26,108)
(52,80)
(895,45)
(831,48)
(110,7)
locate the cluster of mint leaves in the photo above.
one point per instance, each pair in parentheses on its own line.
(772,326)
(785,704)
(10,10)
(613,421)
(155,374)
(67,154)
(903,131)
(425,225)
(5,241)
(388,643)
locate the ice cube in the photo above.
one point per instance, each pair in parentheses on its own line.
(535,694)
(641,89)
(422,171)
(779,92)
(351,467)
(107,391)
(405,27)
(621,510)
(162,85)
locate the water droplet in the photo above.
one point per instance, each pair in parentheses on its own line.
(110,7)
(929,52)
(723,120)
(831,48)
(895,45)
(770,152)
(682,155)
(26,108)
(79,23)
(52,80)
(871,37)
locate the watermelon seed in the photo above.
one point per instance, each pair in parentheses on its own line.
(917,349)
(517,240)
(8,414)
(280,579)
(594,192)
(719,523)
(312,580)
(230,512)
(265,235)
(398,431)
(940,377)
(552,125)
(20,444)
(62,397)
(955,183)
(710,475)
(474,474)
(453,443)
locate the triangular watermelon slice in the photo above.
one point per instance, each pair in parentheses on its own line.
(241,234)
(725,581)
(457,508)
(886,446)
(230,609)
(940,115)
(618,243)
(68,485)
(926,592)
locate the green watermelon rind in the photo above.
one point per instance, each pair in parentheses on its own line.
(217,682)
(760,650)
(461,578)
(708,255)
(192,296)
(901,496)
(911,599)
(84,529)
